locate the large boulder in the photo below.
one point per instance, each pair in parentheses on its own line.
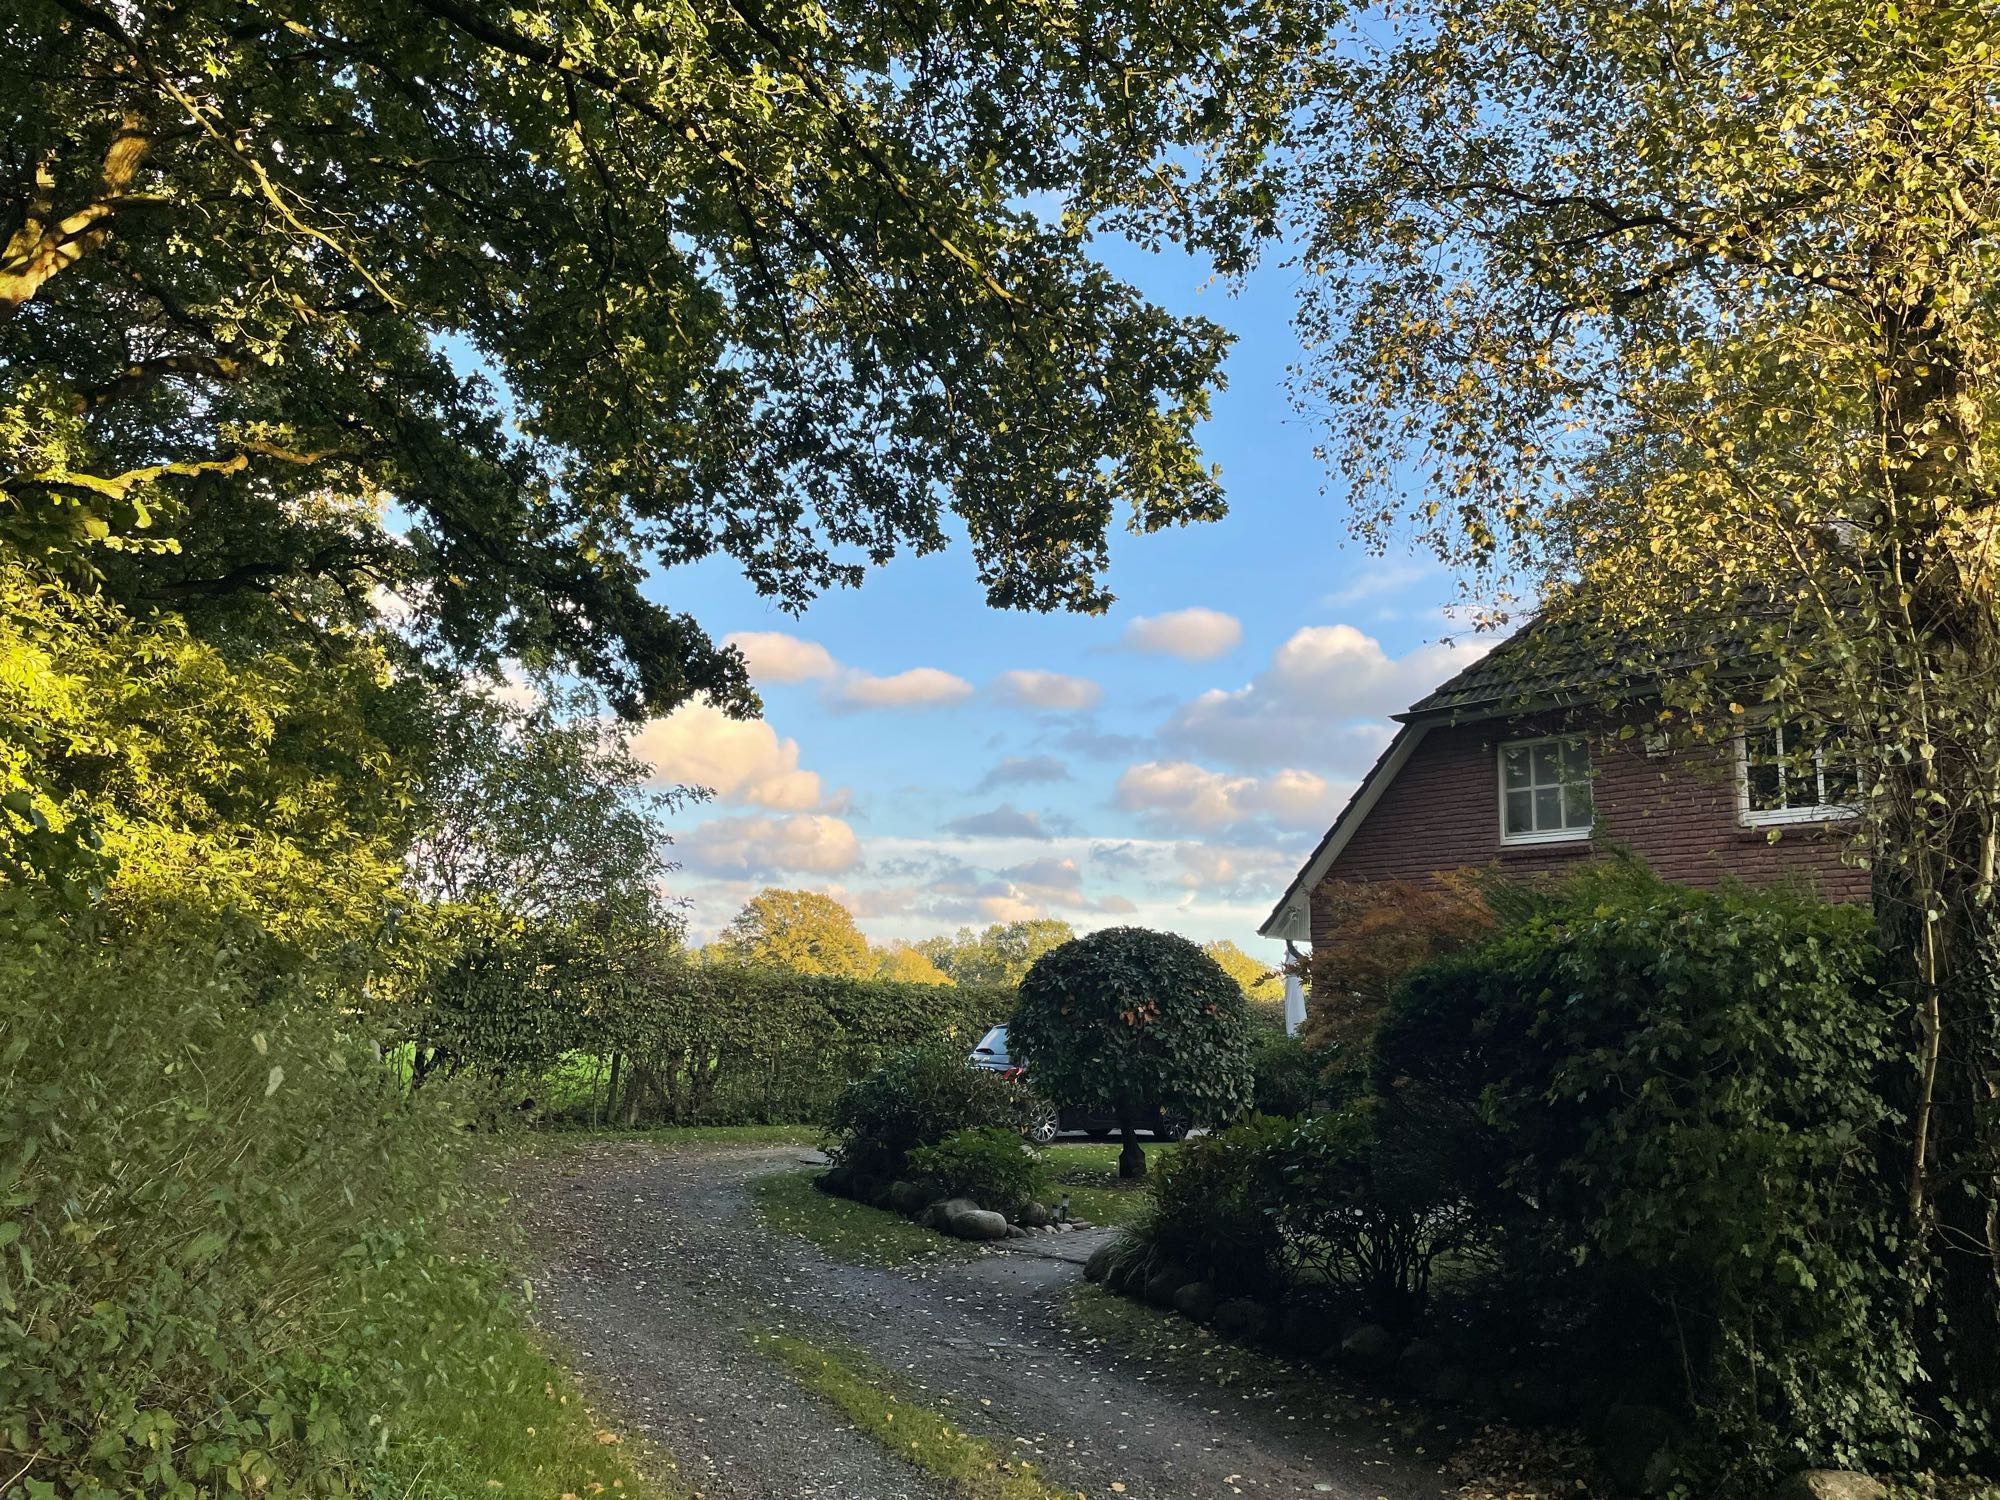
(1241,1318)
(1370,1349)
(1830,1484)
(968,1221)
(1635,1444)
(837,1181)
(1195,1300)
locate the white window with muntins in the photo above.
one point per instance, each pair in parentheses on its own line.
(1545,791)
(1782,776)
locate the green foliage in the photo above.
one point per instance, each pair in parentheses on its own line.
(1001,955)
(989,1164)
(259,281)
(1669,1109)
(915,1098)
(1127,1020)
(224,1261)
(1260,981)
(1214,1206)
(1284,1076)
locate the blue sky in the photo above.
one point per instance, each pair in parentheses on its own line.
(935,763)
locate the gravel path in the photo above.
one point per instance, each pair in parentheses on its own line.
(656,1266)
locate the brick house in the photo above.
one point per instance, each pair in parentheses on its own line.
(1524,767)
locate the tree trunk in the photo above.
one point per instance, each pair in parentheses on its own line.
(1131,1157)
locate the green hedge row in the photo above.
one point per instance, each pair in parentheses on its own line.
(655,1037)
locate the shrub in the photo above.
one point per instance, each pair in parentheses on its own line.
(990,1164)
(1668,1104)
(1284,1077)
(223,1266)
(1214,1207)
(1129,1021)
(916,1098)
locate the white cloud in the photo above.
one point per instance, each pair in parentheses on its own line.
(919,687)
(774,656)
(1180,794)
(756,845)
(741,760)
(1323,700)
(1052,690)
(1190,634)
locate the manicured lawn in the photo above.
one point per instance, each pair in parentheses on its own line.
(846,1230)
(1089,1174)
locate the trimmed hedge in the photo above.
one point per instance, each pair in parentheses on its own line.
(597,1033)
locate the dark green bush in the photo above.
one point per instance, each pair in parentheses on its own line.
(1666,1107)
(1214,1207)
(1284,1077)
(989,1164)
(916,1098)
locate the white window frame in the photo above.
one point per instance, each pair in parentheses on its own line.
(1540,836)
(1769,817)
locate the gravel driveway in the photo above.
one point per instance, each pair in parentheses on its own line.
(655,1266)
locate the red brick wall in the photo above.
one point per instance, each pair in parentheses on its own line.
(1677,812)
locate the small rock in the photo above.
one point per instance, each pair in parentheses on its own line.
(1242,1318)
(1371,1349)
(1032,1216)
(1634,1443)
(908,1199)
(1016,1232)
(1420,1364)
(1830,1484)
(1196,1300)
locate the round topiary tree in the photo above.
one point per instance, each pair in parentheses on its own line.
(1136,1023)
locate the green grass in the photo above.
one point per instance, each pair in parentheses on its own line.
(913,1432)
(848,1231)
(1089,1174)
(556,1140)
(522,1431)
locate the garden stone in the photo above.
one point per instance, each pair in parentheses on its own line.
(976,1224)
(1016,1232)
(1420,1364)
(1830,1484)
(1099,1264)
(1195,1300)
(1163,1283)
(1454,1382)
(1371,1349)
(836,1181)
(1242,1318)
(1634,1443)
(907,1198)
(1033,1216)
(1306,1330)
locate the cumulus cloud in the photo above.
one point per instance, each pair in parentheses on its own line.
(1052,690)
(1180,794)
(1190,634)
(1003,822)
(1324,699)
(740,760)
(1022,770)
(919,687)
(756,845)
(774,656)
